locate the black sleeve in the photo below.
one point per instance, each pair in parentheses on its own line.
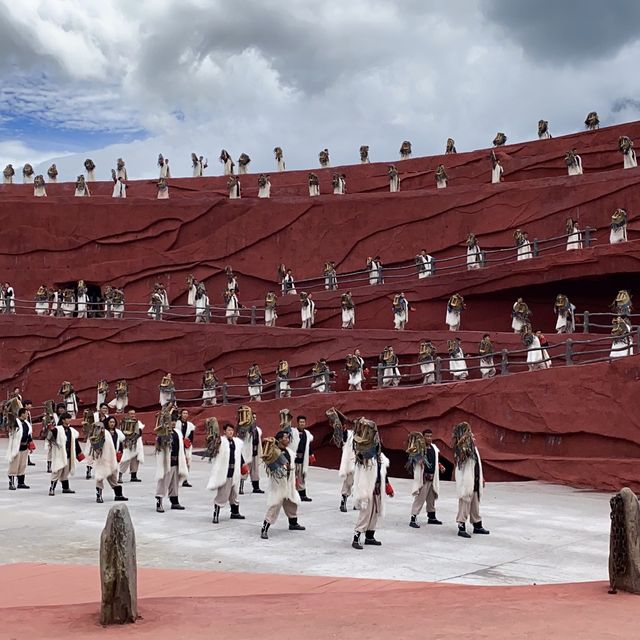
(78,448)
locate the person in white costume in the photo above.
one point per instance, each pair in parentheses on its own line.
(622,344)
(485,351)
(7,174)
(264,186)
(210,384)
(523,246)
(90,168)
(355,369)
(121,399)
(457,363)
(339,184)
(278,153)
(20,443)
(39,188)
(364,154)
(426,360)
(132,447)
(543,130)
(520,314)
(82,299)
(52,173)
(202,304)
(592,121)
(424,263)
(330,276)
(374,266)
(497,170)
(119,186)
(198,164)
(323,157)
(187,430)
(42,301)
(535,355)
(270,314)
(28,174)
(321,376)
(441,177)
(232,312)
(388,362)
(455,307)
(288,284)
(469,480)
(82,188)
(314,184)
(565,312)
(65,451)
(69,398)
(618,226)
(254,383)
(171,463)
(474,253)
(167,391)
(400,308)
(227,162)
(574,163)
(405,150)
(251,435)
(343,439)
(424,462)
(106,452)
(282,380)
(574,235)
(301,439)
(163,189)
(121,170)
(7,299)
(243,163)
(394,179)
(307,310)
(625,144)
(163,167)
(234,188)
(348,310)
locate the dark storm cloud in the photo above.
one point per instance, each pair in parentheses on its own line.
(575,31)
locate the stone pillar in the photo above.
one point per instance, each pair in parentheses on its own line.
(118,568)
(624,542)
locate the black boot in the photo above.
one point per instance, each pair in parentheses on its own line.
(119,497)
(414,523)
(294,526)
(186,484)
(462,530)
(119,478)
(88,474)
(477,528)
(343,504)
(265,529)
(12,486)
(29,463)
(52,488)
(159,507)
(241,489)
(21,484)
(175,504)
(256,486)
(356,544)
(65,487)
(48,466)
(235,512)
(99,499)
(134,477)
(370,539)
(216,514)
(303,496)
(431,518)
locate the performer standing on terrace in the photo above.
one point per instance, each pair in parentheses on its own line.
(232,312)
(565,312)
(209,388)
(426,360)
(226,160)
(496,169)
(270,314)
(455,306)
(119,186)
(364,154)
(374,266)
(348,310)
(618,226)
(441,177)
(264,186)
(314,185)
(163,166)
(339,184)
(82,188)
(355,368)
(39,188)
(622,303)
(308,310)
(625,144)
(233,188)
(543,130)
(330,276)
(243,163)
(574,235)
(121,171)
(28,174)
(474,254)
(7,174)
(451,147)
(592,122)
(405,150)
(574,163)
(424,262)
(485,350)
(282,380)
(424,465)
(90,168)
(520,315)
(323,156)
(394,179)
(457,363)
(52,173)
(388,363)
(288,284)
(523,246)
(278,153)
(400,308)
(254,383)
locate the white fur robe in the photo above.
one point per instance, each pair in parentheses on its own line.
(630,161)
(59,458)
(220,465)
(280,489)
(465,479)
(576,169)
(137,451)
(247,446)
(418,475)
(191,429)
(163,461)
(364,482)
(348,457)
(107,463)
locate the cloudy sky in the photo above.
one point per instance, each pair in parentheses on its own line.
(134,79)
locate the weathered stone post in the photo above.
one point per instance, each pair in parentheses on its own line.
(624,543)
(118,568)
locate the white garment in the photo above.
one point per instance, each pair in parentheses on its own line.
(91,176)
(524,251)
(81,301)
(163,194)
(535,355)
(374,272)
(122,173)
(544,136)
(391,376)
(39,192)
(441,183)
(188,433)
(82,193)
(7,179)
(574,239)
(220,465)
(348,457)
(308,314)
(163,461)
(340,188)
(516,323)
(474,257)
(137,451)
(621,346)
(458,366)
(355,377)
(394,184)
(233,308)
(452,319)
(630,161)
(71,404)
(228,167)
(400,319)
(59,458)
(487,367)
(202,304)
(564,322)
(576,169)
(496,174)
(418,475)
(348,318)
(428,370)
(265,192)
(164,171)
(106,463)
(426,268)
(119,190)
(465,478)
(281,165)
(270,317)
(42,307)
(364,482)
(280,489)
(618,235)
(314,189)
(191,295)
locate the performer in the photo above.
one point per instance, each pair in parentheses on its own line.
(565,312)
(121,399)
(102,390)
(163,166)
(388,363)
(400,308)
(39,189)
(474,255)
(307,311)
(82,188)
(227,162)
(210,384)
(535,357)
(469,479)
(455,307)
(270,315)
(201,303)
(121,171)
(546,360)
(457,363)
(622,344)
(233,187)
(27,174)
(254,383)
(355,368)
(321,376)
(302,439)
(278,459)
(339,184)
(282,380)
(374,266)
(119,186)
(485,350)
(543,130)
(167,391)
(288,284)
(82,299)
(8,301)
(574,163)
(622,303)
(441,177)
(171,463)
(278,153)
(90,168)
(55,300)
(369,477)
(232,312)
(314,185)
(625,144)
(592,122)
(574,235)
(523,246)
(348,310)
(187,430)
(451,146)
(424,465)
(192,285)
(330,276)
(106,452)
(497,169)
(323,156)
(92,421)
(7,174)
(42,300)
(343,439)
(114,302)
(251,436)
(52,173)
(69,398)
(426,359)
(405,150)
(226,469)
(394,179)
(20,443)
(264,186)
(618,226)
(520,315)
(132,447)
(243,163)
(65,451)
(163,189)
(198,164)
(364,154)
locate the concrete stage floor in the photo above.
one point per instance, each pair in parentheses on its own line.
(539,533)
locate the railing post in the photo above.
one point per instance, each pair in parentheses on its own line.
(433,266)
(569,352)
(535,247)
(158,312)
(587,237)
(379,372)
(438,369)
(253,314)
(585,322)
(108,309)
(483,259)
(207,314)
(504,363)
(225,393)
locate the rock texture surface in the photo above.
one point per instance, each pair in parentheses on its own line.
(624,546)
